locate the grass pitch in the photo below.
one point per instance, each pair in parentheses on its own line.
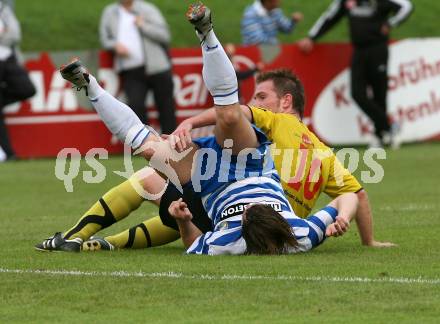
(339,281)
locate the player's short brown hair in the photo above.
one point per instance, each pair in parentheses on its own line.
(266,231)
(286,82)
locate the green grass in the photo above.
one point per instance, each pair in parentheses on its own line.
(34,204)
(73,25)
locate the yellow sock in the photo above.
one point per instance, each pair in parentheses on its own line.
(147,234)
(115,205)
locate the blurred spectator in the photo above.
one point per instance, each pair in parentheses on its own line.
(10,3)
(263,20)
(241,74)
(370,23)
(139,36)
(15,84)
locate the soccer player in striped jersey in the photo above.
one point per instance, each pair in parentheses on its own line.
(241,174)
(307,166)
(253,217)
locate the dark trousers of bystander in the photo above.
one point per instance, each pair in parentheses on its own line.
(369,84)
(136,85)
(15,85)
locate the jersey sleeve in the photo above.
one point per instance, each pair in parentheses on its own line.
(328,19)
(403,9)
(340,180)
(318,224)
(264,120)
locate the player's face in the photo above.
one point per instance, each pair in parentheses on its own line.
(266,97)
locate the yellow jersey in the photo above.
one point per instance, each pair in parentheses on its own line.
(306,166)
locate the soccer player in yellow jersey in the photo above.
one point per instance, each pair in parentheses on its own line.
(306,166)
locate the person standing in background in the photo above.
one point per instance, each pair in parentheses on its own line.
(139,37)
(263,20)
(15,84)
(370,22)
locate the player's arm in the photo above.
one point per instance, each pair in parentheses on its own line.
(347,205)
(206,118)
(324,23)
(332,220)
(402,9)
(341,181)
(188,231)
(364,222)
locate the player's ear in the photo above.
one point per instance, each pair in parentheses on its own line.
(287,103)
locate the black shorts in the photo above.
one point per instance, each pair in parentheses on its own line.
(194,202)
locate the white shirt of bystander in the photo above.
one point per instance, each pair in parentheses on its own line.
(129,36)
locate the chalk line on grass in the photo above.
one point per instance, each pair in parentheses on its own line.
(227,277)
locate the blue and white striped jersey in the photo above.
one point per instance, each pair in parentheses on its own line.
(226,209)
(259,26)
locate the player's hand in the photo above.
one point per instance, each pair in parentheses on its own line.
(183,133)
(338,228)
(306,45)
(297,16)
(121,50)
(139,21)
(179,210)
(380,245)
(171,139)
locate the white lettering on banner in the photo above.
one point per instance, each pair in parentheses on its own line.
(413,99)
(60,96)
(194,94)
(341,96)
(39,99)
(413,72)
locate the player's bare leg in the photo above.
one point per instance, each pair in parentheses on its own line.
(126,126)
(220,79)
(123,123)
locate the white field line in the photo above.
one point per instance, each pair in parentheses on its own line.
(226,277)
(410,207)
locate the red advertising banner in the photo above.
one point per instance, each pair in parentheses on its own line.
(58,117)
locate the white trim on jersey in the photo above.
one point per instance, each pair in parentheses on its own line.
(267,189)
(327,15)
(404,11)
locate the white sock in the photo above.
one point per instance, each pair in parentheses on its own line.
(218,72)
(210,39)
(117,116)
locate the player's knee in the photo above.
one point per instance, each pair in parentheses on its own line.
(229,115)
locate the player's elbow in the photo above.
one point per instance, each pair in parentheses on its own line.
(362,195)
